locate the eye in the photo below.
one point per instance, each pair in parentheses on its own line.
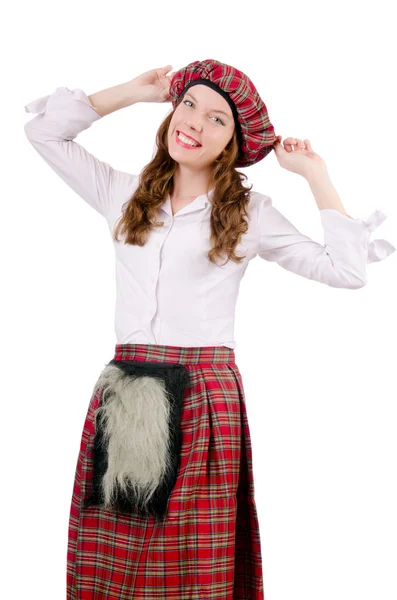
(220,120)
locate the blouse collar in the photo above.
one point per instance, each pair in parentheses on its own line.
(197,204)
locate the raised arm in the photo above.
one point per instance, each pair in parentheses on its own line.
(340,262)
(61,117)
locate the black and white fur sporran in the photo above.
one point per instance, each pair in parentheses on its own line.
(137,441)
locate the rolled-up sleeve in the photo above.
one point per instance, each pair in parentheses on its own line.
(61,117)
(342,260)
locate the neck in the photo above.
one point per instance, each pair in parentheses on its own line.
(189,183)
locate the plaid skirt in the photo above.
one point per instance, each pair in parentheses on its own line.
(207,546)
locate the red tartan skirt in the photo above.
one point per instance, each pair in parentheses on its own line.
(209,545)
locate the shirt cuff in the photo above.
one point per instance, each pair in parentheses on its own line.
(39,105)
(342,228)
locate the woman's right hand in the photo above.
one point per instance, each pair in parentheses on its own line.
(154,85)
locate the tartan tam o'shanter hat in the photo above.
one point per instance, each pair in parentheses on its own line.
(255,132)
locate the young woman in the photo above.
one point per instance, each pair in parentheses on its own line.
(163,503)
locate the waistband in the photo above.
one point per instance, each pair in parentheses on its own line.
(175,354)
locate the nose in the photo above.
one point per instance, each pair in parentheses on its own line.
(196,127)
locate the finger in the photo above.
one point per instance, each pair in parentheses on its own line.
(289,142)
(167,68)
(299,143)
(278,145)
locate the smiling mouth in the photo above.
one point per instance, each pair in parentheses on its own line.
(196,144)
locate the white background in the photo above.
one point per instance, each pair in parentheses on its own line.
(318,363)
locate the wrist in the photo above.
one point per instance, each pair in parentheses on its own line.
(134,92)
(316,173)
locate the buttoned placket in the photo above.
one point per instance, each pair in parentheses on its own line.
(197,204)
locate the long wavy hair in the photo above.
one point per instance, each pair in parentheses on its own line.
(229,201)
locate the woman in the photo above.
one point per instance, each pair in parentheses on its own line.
(163,503)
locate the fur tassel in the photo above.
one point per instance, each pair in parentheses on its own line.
(137,435)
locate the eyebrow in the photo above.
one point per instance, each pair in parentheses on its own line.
(214,109)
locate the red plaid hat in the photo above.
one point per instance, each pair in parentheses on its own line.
(254,131)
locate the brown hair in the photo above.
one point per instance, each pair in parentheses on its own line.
(229,201)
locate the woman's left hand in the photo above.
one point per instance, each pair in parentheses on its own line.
(301,159)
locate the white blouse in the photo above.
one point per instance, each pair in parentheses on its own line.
(167,291)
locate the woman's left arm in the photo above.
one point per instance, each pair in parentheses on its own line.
(342,260)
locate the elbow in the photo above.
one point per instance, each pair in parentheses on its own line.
(342,278)
(349,276)
(353,282)
(29,129)
(357,278)
(358,283)
(33,132)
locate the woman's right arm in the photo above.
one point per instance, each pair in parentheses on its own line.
(61,117)
(111,99)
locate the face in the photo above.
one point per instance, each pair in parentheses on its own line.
(207,118)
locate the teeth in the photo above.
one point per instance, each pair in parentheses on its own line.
(186,140)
